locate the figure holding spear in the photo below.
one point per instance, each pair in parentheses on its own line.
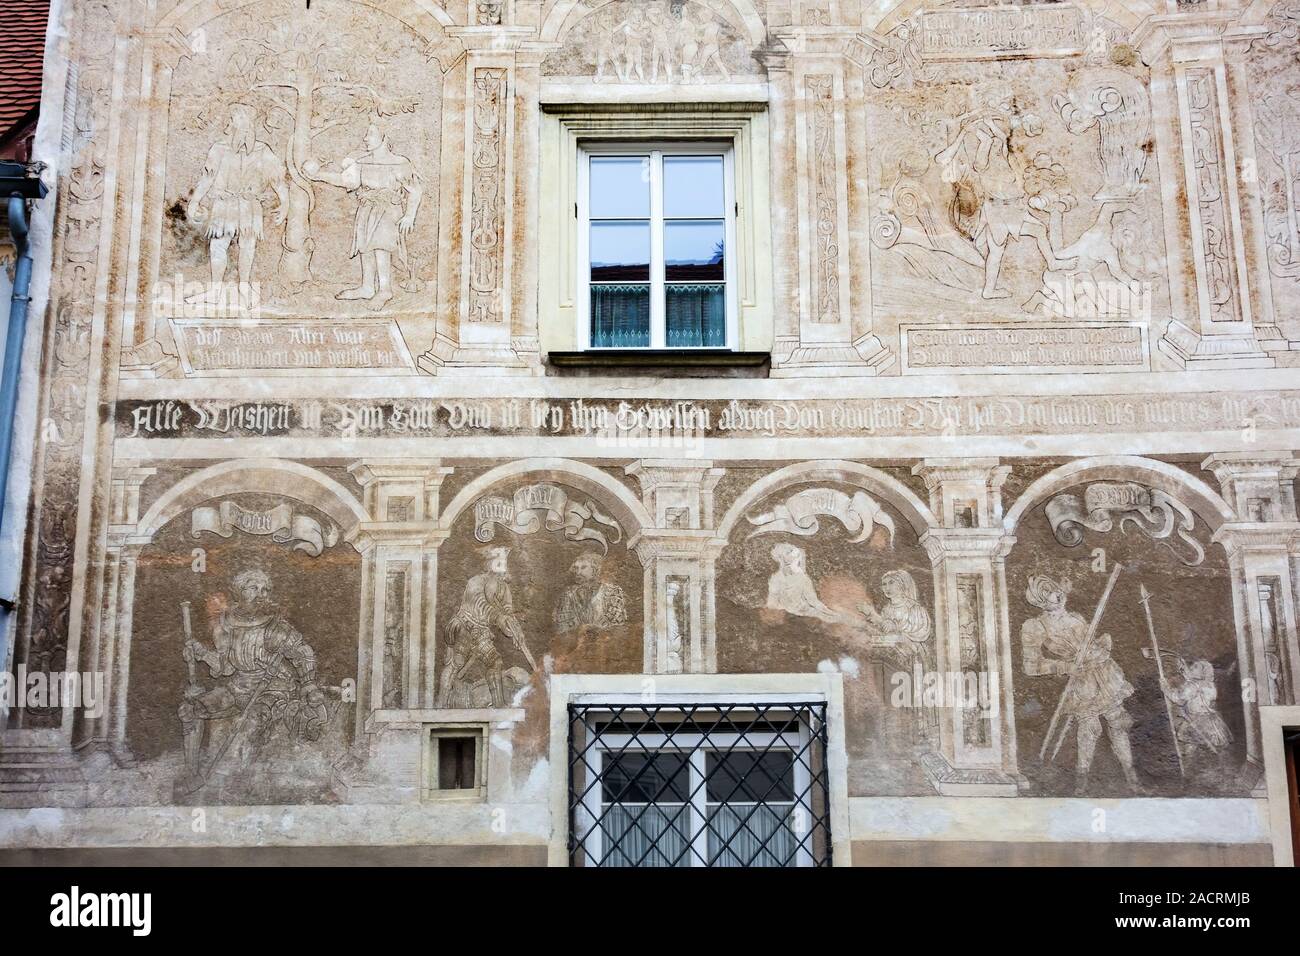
(1060,642)
(1164,685)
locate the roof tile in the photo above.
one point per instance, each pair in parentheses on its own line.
(22,49)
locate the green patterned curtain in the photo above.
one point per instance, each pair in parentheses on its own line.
(695,315)
(620,316)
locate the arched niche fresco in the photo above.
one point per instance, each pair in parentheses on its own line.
(300,183)
(242,655)
(822,571)
(1150,700)
(536,577)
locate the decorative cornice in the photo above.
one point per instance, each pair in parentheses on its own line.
(943,543)
(1270,536)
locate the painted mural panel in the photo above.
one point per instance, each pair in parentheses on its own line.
(309,490)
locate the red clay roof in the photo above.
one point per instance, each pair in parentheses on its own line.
(22,50)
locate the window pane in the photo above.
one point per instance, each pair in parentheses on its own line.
(694,251)
(620,187)
(751,836)
(695,315)
(746,777)
(620,316)
(647,836)
(693,186)
(620,252)
(640,777)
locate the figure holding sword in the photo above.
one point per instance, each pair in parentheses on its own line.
(260,668)
(1059,642)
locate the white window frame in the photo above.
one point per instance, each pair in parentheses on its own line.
(697,790)
(656,149)
(613,689)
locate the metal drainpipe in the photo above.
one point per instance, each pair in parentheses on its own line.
(14,339)
(9,376)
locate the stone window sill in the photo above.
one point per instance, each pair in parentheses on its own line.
(686,363)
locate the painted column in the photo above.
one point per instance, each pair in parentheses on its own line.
(679,557)
(110,654)
(399,621)
(1261,548)
(977,742)
(784,185)
(1244,114)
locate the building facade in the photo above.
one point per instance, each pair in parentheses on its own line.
(666,431)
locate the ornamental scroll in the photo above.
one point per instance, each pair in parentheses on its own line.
(539,506)
(304,531)
(798,514)
(1155,513)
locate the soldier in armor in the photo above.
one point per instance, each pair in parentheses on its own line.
(227,200)
(388,195)
(473,657)
(1096,688)
(262,667)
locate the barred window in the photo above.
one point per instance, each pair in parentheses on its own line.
(699,784)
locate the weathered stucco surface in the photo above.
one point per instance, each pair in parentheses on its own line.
(1033,307)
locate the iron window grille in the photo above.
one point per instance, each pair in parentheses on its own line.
(698,784)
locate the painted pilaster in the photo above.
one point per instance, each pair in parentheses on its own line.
(977,751)
(400,620)
(1261,546)
(493,308)
(678,556)
(835,337)
(111,653)
(1217,327)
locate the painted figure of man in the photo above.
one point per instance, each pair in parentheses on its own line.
(1096,688)
(262,667)
(473,658)
(227,200)
(790,589)
(989,204)
(589,601)
(388,192)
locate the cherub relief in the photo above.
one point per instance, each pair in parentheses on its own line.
(653,42)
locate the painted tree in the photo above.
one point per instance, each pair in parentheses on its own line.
(306,80)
